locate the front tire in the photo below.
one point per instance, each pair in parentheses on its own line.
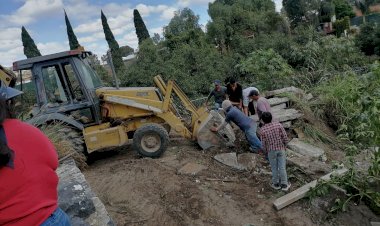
(150,140)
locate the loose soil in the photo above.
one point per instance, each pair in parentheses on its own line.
(144,191)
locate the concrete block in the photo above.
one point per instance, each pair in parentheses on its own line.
(76,198)
(277,100)
(229,159)
(305,149)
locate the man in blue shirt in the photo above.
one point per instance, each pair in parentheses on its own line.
(219,93)
(246,124)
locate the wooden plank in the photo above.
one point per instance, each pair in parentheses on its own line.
(302,191)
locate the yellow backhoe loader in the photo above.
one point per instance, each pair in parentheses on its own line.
(99,118)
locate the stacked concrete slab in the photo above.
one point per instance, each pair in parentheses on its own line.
(77,200)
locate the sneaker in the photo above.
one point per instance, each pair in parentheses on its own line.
(285,187)
(275,186)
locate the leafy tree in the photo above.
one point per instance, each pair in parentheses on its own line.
(157,38)
(342,9)
(266,69)
(73,41)
(141,31)
(183,28)
(30,48)
(126,50)
(363,6)
(327,11)
(368,39)
(235,24)
(302,11)
(114,46)
(341,25)
(183,21)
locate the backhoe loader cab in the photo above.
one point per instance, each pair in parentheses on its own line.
(65,88)
(69,91)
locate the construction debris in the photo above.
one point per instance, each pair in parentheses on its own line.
(76,198)
(229,159)
(291,89)
(208,139)
(277,101)
(305,149)
(302,191)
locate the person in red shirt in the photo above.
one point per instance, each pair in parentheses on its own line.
(28,181)
(274,140)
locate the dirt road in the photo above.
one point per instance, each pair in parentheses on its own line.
(143,191)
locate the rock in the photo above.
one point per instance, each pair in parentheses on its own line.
(309,165)
(309,96)
(291,89)
(305,149)
(207,139)
(76,198)
(277,101)
(229,159)
(287,124)
(279,107)
(287,115)
(191,169)
(248,161)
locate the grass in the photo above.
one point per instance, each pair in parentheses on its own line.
(64,148)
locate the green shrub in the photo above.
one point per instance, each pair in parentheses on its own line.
(266,70)
(351,105)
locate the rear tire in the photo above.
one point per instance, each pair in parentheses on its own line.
(150,140)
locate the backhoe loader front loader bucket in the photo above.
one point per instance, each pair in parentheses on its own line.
(207,139)
(201,119)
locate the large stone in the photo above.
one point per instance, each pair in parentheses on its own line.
(287,115)
(292,89)
(191,169)
(279,107)
(76,198)
(276,101)
(229,159)
(247,161)
(287,124)
(305,149)
(207,139)
(307,163)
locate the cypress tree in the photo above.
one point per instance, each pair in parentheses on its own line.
(114,46)
(30,48)
(73,41)
(141,31)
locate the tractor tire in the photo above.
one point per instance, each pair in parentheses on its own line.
(150,140)
(75,137)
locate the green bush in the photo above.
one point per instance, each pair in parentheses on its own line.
(266,70)
(351,105)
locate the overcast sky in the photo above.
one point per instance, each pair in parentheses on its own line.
(44,20)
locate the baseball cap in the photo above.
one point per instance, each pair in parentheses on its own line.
(217,82)
(8,92)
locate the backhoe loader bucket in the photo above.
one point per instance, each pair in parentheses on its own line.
(207,139)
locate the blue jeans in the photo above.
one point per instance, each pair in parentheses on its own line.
(217,106)
(252,138)
(277,160)
(57,218)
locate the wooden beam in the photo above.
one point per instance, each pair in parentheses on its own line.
(302,191)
